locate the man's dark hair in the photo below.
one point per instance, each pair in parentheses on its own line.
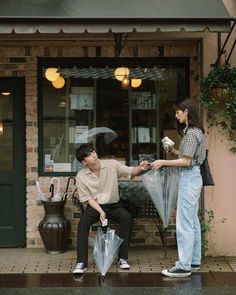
(83,151)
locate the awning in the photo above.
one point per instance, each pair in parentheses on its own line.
(154,73)
(101,16)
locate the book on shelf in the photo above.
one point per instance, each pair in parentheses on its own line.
(143,100)
(141,135)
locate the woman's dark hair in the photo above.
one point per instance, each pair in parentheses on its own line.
(193,118)
(83,151)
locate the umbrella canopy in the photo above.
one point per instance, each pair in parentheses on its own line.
(89,135)
(105,250)
(162,186)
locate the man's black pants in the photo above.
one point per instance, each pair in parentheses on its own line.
(113,212)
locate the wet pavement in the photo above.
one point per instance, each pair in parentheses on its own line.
(27,271)
(117,280)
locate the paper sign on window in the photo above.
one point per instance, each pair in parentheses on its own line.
(81,134)
(82,98)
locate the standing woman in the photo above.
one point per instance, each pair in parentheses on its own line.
(191,155)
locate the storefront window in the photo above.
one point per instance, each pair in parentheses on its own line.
(126,124)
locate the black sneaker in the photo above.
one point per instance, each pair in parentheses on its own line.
(175,272)
(195,266)
(80,268)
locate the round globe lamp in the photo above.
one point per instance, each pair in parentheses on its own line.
(121,72)
(51,74)
(59,83)
(136,83)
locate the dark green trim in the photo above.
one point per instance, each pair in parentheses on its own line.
(17,177)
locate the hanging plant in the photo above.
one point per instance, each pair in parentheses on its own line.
(218,96)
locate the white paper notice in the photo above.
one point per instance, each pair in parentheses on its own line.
(81,134)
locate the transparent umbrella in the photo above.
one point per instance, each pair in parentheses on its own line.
(89,135)
(105,249)
(42,196)
(162,186)
(57,195)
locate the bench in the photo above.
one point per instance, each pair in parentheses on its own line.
(133,192)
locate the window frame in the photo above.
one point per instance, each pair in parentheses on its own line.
(95,62)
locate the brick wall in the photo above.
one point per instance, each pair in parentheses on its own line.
(19,59)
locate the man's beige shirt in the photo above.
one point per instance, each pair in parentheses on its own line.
(103,188)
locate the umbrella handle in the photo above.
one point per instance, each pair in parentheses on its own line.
(51,190)
(68,182)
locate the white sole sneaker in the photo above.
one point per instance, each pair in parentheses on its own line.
(166,273)
(124,265)
(80,268)
(79,271)
(195,268)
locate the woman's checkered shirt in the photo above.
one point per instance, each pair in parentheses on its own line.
(193,145)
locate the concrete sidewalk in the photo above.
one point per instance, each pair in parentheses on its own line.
(142,260)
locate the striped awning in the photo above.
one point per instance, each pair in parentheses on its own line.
(154,73)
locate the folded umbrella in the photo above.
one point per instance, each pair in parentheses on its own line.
(42,196)
(57,196)
(106,246)
(162,186)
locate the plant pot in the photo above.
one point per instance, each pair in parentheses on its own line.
(54,228)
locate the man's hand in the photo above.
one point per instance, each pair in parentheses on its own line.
(144,165)
(102,216)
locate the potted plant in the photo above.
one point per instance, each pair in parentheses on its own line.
(218,96)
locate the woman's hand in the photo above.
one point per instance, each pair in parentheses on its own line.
(157,164)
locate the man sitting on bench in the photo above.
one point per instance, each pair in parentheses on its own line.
(97,186)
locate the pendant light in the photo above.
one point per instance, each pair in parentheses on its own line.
(51,74)
(59,83)
(120,73)
(136,83)
(125,82)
